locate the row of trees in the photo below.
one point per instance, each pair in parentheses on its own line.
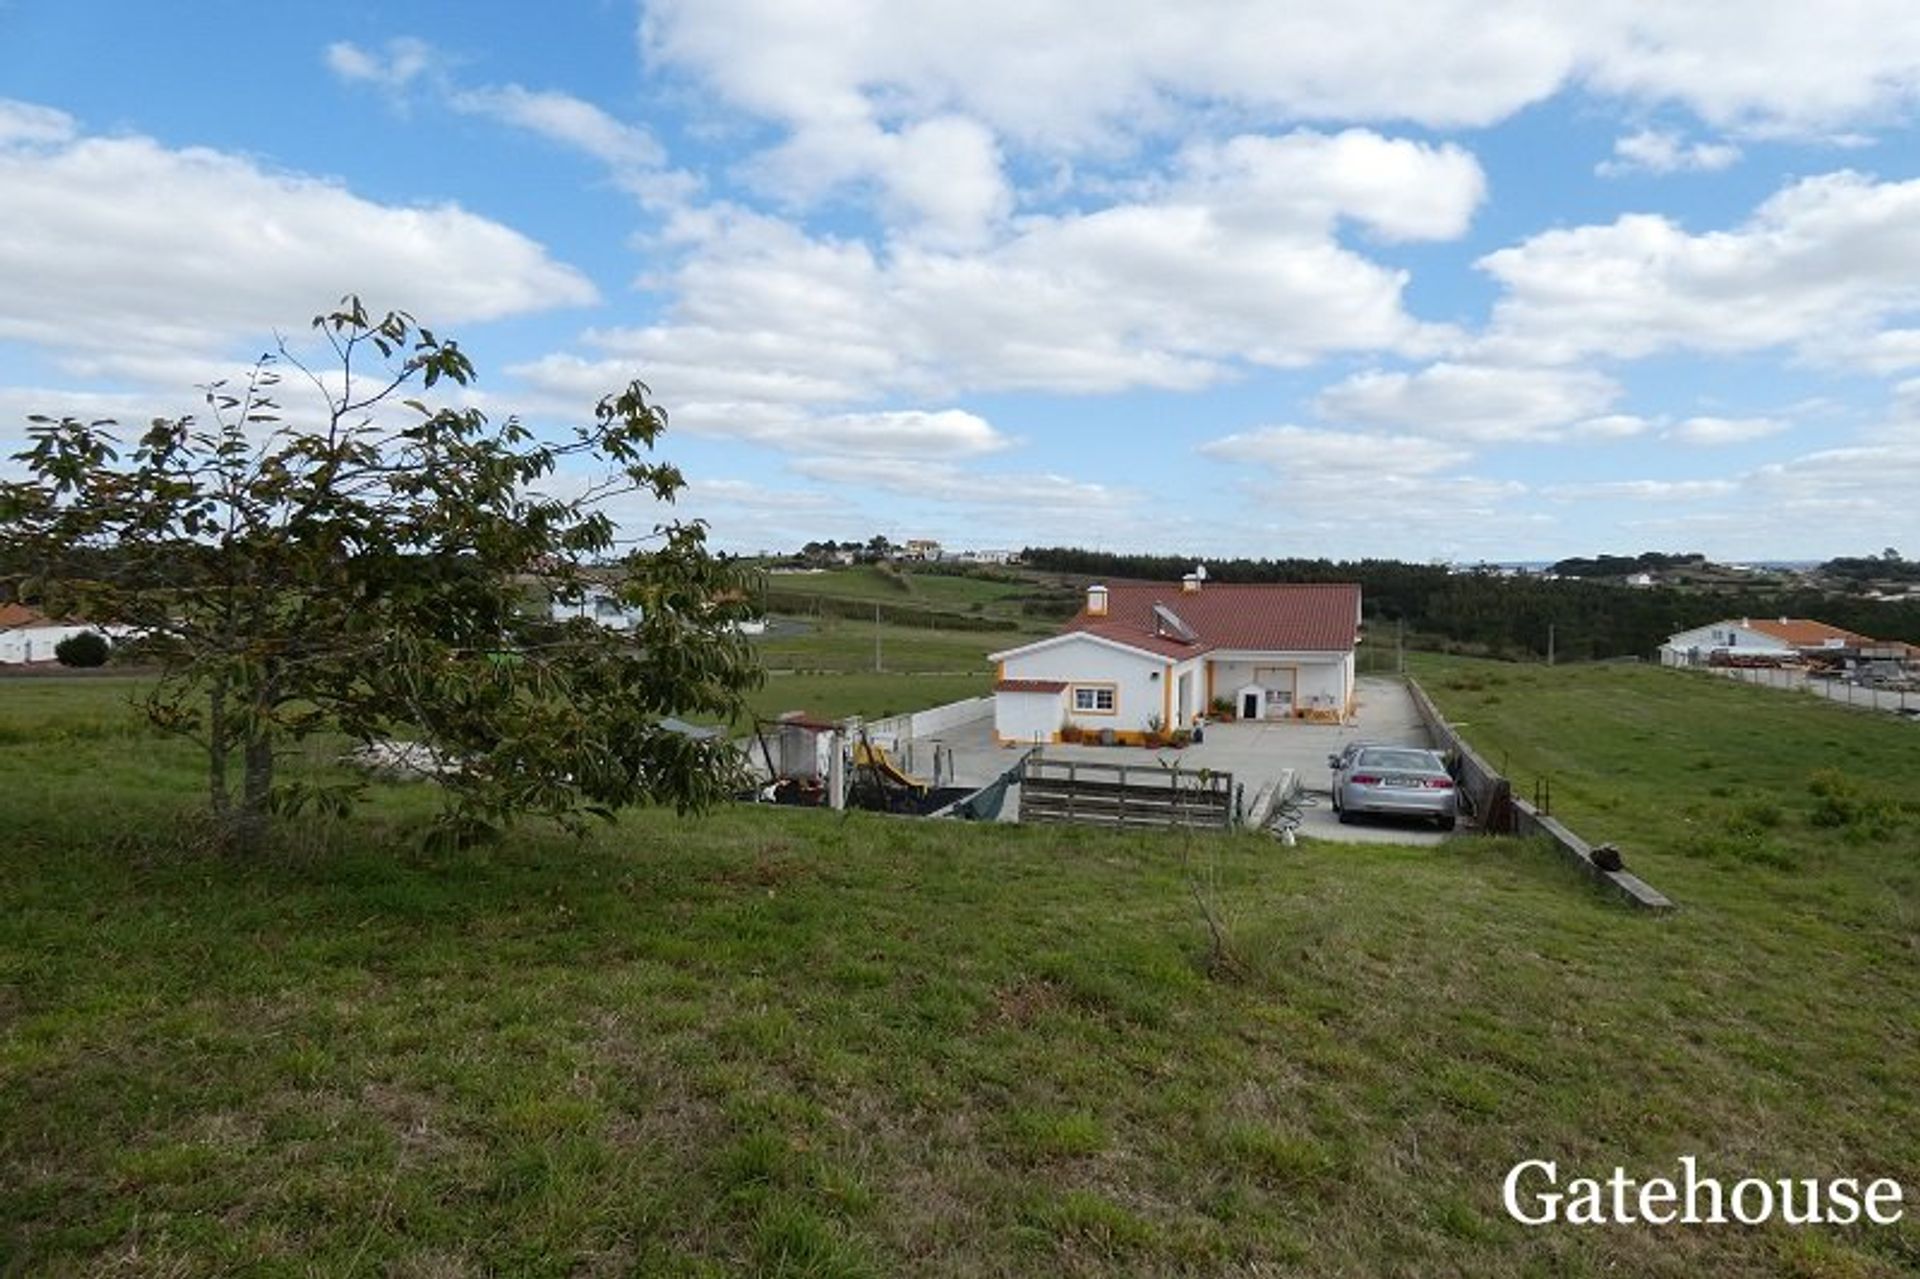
(1512,616)
(361,573)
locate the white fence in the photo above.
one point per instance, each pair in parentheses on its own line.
(1834,690)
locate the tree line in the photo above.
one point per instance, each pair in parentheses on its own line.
(1492,615)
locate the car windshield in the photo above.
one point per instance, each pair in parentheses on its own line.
(1408,760)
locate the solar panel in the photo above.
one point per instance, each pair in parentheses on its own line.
(1168,623)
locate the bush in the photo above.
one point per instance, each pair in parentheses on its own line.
(84,649)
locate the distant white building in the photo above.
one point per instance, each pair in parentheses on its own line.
(27,635)
(1778,639)
(597,606)
(920,548)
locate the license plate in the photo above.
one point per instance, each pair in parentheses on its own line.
(1403,781)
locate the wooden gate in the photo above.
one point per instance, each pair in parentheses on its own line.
(1125,795)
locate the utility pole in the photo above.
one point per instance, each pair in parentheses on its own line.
(1549,643)
(1400,649)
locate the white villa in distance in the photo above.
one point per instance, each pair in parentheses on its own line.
(1142,656)
(1781,639)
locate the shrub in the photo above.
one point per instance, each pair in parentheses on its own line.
(85,649)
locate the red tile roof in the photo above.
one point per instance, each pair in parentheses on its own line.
(12,615)
(1030,686)
(1802,632)
(1264,617)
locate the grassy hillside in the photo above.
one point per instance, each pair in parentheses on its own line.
(795,1044)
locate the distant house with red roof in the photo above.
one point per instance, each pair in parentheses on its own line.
(1760,639)
(1146,655)
(27,635)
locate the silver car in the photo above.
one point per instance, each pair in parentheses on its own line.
(1393,781)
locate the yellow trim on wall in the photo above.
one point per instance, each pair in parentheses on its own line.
(1166,699)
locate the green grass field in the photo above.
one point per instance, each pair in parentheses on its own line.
(833,644)
(788,1043)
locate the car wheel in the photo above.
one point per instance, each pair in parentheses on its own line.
(1346,817)
(1446,823)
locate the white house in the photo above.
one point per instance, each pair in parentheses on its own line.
(1142,656)
(1777,639)
(597,606)
(28,635)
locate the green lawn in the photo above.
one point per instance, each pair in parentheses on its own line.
(784,1043)
(846,645)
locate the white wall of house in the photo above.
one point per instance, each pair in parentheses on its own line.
(24,644)
(1692,648)
(1289,684)
(1137,680)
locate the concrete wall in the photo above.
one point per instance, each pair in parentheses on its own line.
(896,729)
(1498,811)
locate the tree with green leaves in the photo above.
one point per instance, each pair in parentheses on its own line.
(378,573)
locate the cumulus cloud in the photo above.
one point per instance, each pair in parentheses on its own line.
(218,249)
(1664,151)
(940,180)
(1483,403)
(1818,268)
(1232,259)
(1038,72)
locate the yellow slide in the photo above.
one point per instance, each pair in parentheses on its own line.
(876,757)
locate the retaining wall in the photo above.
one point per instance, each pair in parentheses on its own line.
(1499,812)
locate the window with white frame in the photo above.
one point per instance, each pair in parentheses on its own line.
(1095,699)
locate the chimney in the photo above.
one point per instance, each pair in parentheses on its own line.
(1096,601)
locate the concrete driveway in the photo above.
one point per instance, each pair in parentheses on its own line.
(1255,753)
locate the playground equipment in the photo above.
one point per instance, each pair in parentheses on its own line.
(867,755)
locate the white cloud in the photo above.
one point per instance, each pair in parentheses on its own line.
(217,249)
(1664,151)
(1042,73)
(1612,426)
(938,481)
(633,157)
(404,61)
(1312,456)
(1403,190)
(567,120)
(1483,403)
(1642,490)
(940,179)
(29,124)
(1818,268)
(1233,259)
(1713,432)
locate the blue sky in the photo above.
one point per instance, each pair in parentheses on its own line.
(1422,278)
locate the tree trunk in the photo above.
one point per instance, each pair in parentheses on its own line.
(218,747)
(250,828)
